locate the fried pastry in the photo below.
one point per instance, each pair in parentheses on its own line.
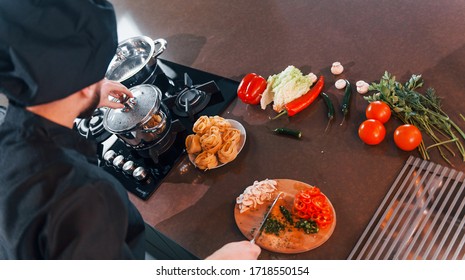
(206,160)
(193,144)
(232,134)
(202,125)
(215,140)
(227,152)
(211,142)
(221,123)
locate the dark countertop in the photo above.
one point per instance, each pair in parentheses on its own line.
(232,38)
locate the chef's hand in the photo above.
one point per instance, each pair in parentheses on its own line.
(241,250)
(110,89)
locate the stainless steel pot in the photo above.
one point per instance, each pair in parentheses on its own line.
(143,121)
(135,60)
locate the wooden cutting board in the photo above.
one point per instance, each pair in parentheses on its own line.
(291,240)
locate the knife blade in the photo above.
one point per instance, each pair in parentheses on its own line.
(262,226)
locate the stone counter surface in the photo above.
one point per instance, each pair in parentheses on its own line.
(233,38)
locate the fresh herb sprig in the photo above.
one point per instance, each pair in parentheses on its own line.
(421,110)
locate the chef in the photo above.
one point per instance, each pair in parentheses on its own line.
(55,203)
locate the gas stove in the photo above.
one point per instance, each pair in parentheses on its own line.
(188,94)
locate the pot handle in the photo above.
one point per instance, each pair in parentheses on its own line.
(129,104)
(163,43)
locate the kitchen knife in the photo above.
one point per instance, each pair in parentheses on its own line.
(262,226)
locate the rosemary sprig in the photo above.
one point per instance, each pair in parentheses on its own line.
(421,110)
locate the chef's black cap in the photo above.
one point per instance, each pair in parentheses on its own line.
(50,49)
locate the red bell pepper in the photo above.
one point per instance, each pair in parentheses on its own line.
(251,88)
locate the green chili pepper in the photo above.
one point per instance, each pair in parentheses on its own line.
(346,101)
(330,106)
(286,131)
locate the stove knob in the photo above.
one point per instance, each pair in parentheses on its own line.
(109,156)
(118,161)
(129,167)
(139,173)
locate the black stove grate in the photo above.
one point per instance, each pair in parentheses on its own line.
(92,128)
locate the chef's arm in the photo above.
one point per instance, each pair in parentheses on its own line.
(241,250)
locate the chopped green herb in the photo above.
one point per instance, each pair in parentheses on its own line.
(273,226)
(287,214)
(308,226)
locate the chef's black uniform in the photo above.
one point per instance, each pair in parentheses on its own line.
(54,202)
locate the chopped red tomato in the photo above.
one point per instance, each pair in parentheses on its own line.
(313,191)
(300,206)
(312,204)
(320,201)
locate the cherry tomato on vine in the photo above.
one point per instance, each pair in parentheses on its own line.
(372,132)
(378,110)
(407,137)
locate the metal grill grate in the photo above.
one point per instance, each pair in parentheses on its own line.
(421,217)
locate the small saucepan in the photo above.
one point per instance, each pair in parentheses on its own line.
(135,60)
(143,121)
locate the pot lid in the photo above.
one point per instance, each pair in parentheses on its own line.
(137,110)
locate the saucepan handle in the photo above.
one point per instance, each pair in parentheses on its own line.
(162,46)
